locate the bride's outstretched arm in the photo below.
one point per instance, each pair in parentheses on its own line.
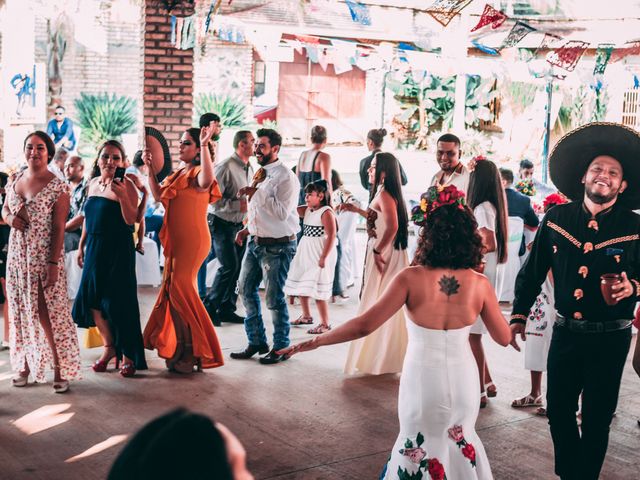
(393,298)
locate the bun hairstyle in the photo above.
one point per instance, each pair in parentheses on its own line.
(319,186)
(377,136)
(318,134)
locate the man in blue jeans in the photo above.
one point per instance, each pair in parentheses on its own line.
(271,232)
(227,216)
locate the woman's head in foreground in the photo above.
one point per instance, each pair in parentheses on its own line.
(181,444)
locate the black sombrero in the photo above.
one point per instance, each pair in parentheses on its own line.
(161,158)
(573,153)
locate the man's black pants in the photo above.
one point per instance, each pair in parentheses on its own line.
(223,294)
(591,364)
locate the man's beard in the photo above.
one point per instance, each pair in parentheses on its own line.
(599,199)
(264,159)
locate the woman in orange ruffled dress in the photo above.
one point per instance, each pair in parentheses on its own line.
(179,326)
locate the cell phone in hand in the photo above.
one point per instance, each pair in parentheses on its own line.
(119,175)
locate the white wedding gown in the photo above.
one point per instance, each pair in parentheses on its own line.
(438,406)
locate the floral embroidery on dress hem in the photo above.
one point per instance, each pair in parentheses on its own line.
(418,456)
(457,435)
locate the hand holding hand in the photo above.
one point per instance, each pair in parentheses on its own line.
(517,328)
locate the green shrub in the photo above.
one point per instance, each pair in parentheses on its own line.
(104,117)
(231,110)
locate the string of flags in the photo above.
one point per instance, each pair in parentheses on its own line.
(187,32)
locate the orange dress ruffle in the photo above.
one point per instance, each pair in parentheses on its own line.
(186,241)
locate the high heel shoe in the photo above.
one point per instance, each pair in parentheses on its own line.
(60,386)
(186,363)
(21,379)
(100,366)
(128,370)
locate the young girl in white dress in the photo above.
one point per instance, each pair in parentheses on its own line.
(312,269)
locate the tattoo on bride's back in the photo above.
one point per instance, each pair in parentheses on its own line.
(449,285)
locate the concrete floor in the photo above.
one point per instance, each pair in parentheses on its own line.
(302,419)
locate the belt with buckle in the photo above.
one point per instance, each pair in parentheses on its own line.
(582,326)
(273,241)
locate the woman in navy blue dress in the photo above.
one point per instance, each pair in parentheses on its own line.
(107,296)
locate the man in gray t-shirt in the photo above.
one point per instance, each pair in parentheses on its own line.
(227,216)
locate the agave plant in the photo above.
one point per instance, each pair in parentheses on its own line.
(104,117)
(231,110)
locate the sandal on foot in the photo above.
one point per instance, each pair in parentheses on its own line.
(61,387)
(319,329)
(527,401)
(484,401)
(302,320)
(491,389)
(20,380)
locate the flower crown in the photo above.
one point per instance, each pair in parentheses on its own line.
(554,199)
(434,198)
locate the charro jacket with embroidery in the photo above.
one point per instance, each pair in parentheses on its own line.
(579,248)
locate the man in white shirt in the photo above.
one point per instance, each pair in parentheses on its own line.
(56,165)
(452,171)
(271,230)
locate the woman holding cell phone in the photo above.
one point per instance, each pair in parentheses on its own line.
(107,296)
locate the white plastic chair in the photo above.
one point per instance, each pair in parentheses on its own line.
(512,267)
(148,265)
(74,273)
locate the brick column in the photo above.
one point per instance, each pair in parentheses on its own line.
(168,74)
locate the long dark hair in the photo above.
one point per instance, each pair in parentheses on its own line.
(485,186)
(95,170)
(387,163)
(450,239)
(192,442)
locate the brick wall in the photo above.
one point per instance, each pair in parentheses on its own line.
(168,74)
(114,67)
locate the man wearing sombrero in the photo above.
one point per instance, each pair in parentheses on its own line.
(598,167)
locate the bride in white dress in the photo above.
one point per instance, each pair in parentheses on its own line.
(439,389)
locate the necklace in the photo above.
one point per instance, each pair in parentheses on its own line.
(102,185)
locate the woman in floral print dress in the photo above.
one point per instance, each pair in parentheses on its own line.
(439,388)
(41,331)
